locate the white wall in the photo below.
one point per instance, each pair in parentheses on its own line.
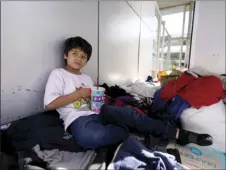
(119,37)
(136,6)
(119,40)
(31,37)
(208,41)
(149,28)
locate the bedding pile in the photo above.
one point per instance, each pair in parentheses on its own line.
(193,101)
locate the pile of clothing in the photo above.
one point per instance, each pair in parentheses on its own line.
(119,97)
(193,101)
(40,142)
(189,90)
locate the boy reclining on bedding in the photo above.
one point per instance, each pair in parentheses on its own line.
(68,91)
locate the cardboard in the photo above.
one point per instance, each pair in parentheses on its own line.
(198,157)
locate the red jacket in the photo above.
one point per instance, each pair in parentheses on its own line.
(198,92)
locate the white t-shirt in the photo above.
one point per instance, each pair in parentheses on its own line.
(62,82)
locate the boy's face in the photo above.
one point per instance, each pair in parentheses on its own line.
(76,58)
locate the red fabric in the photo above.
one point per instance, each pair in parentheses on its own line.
(119,103)
(171,89)
(198,92)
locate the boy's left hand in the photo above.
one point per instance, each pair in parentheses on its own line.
(84,92)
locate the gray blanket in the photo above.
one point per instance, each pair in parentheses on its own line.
(65,160)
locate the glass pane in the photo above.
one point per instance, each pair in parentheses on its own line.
(174,23)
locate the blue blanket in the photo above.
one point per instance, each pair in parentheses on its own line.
(174,108)
(133,155)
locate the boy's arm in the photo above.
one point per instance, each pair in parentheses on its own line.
(62,101)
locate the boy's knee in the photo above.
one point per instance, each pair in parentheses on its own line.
(91,140)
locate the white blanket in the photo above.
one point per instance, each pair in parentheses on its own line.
(208,119)
(142,88)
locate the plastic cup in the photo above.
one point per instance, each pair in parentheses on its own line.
(97,98)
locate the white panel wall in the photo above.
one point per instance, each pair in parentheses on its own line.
(208,41)
(137,6)
(148,33)
(31,37)
(148,13)
(145,59)
(119,36)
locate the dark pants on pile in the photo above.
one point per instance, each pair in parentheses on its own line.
(112,125)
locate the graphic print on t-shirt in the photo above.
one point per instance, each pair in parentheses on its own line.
(82,104)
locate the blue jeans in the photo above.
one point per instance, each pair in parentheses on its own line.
(113,124)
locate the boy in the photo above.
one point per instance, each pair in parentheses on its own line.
(68,91)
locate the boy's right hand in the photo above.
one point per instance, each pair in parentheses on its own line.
(84,92)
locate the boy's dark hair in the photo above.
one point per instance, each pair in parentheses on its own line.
(78,42)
